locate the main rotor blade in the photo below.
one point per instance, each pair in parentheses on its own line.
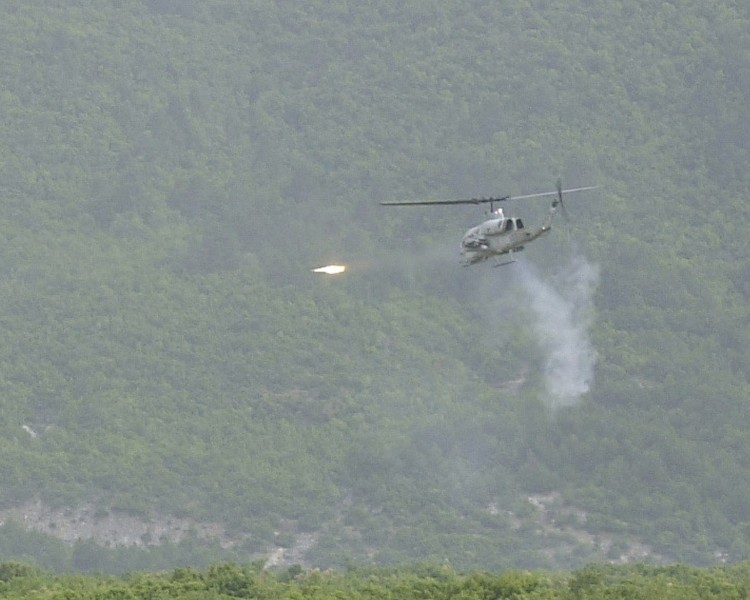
(485,200)
(555,193)
(433,202)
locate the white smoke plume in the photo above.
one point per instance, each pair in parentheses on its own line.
(564,312)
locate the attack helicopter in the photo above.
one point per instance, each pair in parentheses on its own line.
(499,235)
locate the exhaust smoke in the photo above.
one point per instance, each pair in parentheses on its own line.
(564,312)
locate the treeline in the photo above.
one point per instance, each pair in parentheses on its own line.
(18,580)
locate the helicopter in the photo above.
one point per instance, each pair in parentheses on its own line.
(499,235)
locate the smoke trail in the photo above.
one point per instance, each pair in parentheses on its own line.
(564,311)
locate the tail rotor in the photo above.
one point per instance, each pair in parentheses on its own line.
(558,201)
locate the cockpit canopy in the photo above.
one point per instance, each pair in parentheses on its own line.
(513,223)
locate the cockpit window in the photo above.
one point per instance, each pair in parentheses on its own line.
(508,225)
(519,224)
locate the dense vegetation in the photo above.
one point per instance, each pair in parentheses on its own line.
(171,170)
(232,581)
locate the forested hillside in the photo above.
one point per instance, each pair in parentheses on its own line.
(171,171)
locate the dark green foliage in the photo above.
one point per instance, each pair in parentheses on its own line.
(417,582)
(11,570)
(171,171)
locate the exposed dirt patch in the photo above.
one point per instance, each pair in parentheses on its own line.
(113,528)
(554,519)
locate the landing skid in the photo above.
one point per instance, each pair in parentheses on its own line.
(510,260)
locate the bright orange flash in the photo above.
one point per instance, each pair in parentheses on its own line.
(330,269)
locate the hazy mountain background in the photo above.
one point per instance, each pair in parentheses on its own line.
(170,171)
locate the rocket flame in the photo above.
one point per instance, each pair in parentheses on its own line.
(330,269)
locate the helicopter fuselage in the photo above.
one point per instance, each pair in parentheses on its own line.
(500,234)
(495,237)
